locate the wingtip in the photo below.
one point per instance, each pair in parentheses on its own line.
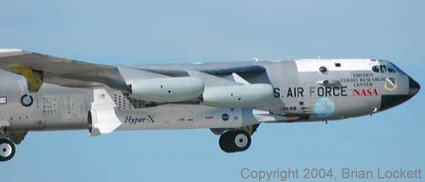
(10,50)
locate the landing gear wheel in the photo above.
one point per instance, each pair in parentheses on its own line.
(7,149)
(235,141)
(225,142)
(242,140)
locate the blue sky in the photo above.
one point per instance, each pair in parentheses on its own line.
(144,32)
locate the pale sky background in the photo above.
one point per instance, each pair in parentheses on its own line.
(144,32)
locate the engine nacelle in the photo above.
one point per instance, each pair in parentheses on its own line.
(238,96)
(167,89)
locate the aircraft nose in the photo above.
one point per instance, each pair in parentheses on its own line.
(389,101)
(414,86)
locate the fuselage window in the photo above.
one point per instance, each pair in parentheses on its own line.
(337,64)
(323,70)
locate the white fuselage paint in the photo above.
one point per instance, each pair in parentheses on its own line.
(312,65)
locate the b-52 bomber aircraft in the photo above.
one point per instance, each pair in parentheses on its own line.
(44,93)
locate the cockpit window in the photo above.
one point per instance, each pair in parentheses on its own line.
(384,69)
(375,69)
(391,70)
(397,68)
(388,67)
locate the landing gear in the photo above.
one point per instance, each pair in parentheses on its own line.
(7,149)
(235,141)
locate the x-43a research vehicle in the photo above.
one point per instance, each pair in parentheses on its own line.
(44,93)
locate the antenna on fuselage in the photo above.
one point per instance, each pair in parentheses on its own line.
(255,59)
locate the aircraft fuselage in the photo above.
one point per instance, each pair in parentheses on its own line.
(303,90)
(46,93)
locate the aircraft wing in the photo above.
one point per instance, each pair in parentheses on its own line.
(38,68)
(160,85)
(222,87)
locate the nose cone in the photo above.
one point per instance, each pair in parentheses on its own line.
(389,101)
(414,86)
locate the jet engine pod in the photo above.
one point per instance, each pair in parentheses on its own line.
(167,89)
(238,96)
